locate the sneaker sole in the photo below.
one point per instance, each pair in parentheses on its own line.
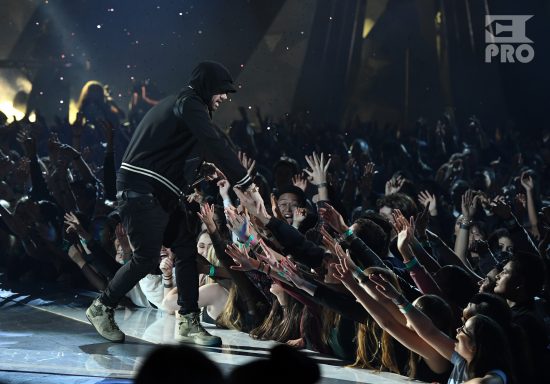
(192,340)
(99,333)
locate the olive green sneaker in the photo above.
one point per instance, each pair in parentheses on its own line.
(190,330)
(103,320)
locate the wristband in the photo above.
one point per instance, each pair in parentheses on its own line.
(168,285)
(251,241)
(465,226)
(167,277)
(411,263)
(321,185)
(406,308)
(358,272)
(348,233)
(212,271)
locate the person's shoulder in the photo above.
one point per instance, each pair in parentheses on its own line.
(187,101)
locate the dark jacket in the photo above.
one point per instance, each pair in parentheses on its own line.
(176,135)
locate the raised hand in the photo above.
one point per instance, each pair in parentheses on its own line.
(394,185)
(429,200)
(247,162)
(333,218)
(275,208)
(366,179)
(500,208)
(527,182)
(271,257)
(223,186)
(206,215)
(253,202)
(292,274)
(469,204)
(123,239)
(73,225)
(384,286)
(167,264)
(243,262)
(196,197)
(319,168)
(344,273)
(238,224)
(405,234)
(422,221)
(299,181)
(298,216)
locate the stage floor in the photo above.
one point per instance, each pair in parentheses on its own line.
(45,337)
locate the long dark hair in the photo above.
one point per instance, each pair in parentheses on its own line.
(282,323)
(492,350)
(441,315)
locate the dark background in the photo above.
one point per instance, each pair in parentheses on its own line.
(288,56)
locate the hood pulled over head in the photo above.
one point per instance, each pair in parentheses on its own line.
(211,78)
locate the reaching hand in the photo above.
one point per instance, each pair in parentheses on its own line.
(122,238)
(469,204)
(270,256)
(253,202)
(527,182)
(166,265)
(318,173)
(422,221)
(275,208)
(206,215)
(366,180)
(298,216)
(73,225)
(240,257)
(394,185)
(344,273)
(247,162)
(500,208)
(405,233)
(428,200)
(196,197)
(299,181)
(333,218)
(292,274)
(238,224)
(384,286)
(224,186)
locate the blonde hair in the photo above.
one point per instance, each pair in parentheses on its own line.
(375,349)
(90,91)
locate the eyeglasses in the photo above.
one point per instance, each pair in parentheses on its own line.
(462,329)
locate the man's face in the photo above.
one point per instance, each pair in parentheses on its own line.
(287,203)
(217,100)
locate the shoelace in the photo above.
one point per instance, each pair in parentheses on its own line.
(111,318)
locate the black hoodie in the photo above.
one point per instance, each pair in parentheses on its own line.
(176,135)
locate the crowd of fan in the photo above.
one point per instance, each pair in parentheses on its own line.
(422,252)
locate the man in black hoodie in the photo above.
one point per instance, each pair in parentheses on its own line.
(161,160)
